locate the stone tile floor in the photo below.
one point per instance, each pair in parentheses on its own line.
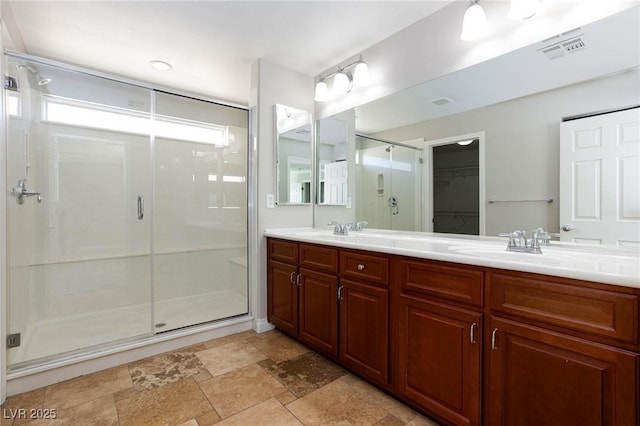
(242,379)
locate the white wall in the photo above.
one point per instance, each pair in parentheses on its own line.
(271,84)
(522,145)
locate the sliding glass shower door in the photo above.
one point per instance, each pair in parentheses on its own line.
(200,223)
(126,213)
(79,243)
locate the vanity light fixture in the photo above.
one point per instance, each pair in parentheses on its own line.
(345,78)
(523,9)
(474,23)
(322,91)
(341,83)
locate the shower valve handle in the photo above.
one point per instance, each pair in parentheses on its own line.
(21,192)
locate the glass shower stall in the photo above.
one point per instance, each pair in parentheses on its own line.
(126,211)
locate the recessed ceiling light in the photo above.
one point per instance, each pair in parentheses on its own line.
(160,65)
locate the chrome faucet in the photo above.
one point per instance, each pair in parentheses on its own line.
(358,226)
(518,241)
(339,229)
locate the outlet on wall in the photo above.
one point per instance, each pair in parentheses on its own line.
(271,201)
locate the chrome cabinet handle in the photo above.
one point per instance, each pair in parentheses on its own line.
(361,267)
(493,340)
(291,277)
(473,332)
(340,293)
(298,281)
(140,207)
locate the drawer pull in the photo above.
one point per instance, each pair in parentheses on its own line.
(493,340)
(361,267)
(473,332)
(298,281)
(291,277)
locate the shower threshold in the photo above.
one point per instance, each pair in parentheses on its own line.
(51,339)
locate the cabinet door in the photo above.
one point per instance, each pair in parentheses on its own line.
(319,310)
(440,359)
(364,329)
(539,377)
(282,306)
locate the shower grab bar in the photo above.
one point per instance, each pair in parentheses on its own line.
(140,207)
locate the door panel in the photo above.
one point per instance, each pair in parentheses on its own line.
(364,329)
(319,310)
(200,221)
(282,310)
(78,258)
(558,380)
(440,359)
(600,179)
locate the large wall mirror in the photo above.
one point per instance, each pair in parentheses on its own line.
(509,112)
(294,155)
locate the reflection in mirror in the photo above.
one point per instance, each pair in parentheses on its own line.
(332,151)
(293,155)
(518,101)
(388,184)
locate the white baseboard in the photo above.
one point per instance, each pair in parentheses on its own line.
(261,325)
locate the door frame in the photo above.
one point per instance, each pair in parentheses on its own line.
(427,175)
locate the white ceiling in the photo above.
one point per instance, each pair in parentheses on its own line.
(211,44)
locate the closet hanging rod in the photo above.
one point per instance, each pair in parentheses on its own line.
(362,135)
(546,200)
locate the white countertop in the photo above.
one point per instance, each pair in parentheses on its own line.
(604,264)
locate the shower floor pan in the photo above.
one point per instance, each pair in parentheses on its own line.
(49,338)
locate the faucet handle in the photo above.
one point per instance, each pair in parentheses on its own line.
(358,225)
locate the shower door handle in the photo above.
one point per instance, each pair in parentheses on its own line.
(140,207)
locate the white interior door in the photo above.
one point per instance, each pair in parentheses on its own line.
(600,179)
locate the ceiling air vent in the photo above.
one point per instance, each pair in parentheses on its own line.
(574,45)
(562,48)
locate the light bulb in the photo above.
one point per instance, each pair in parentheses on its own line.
(341,83)
(322,91)
(361,74)
(465,143)
(523,9)
(474,23)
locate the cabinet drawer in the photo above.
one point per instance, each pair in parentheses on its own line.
(364,266)
(284,251)
(600,312)
(320,258)
(460,284)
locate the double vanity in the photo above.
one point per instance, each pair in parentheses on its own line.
(463,330)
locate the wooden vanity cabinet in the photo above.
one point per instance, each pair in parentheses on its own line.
(364,314)
(560,352)
(302,284)
(537,376)
(469,345)
(439,356)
